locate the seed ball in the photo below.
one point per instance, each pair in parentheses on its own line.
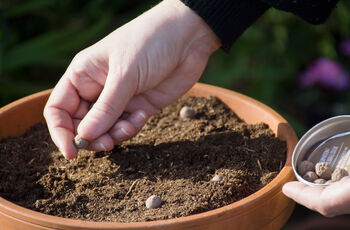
(80,143)
(328,182)
(323,170)
(217,178)
(347,168)
(338,174)
(320,181)
(153,201)
(187,112)
(305,166)
(310,176)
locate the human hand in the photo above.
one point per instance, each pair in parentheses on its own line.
(330,201)
(139,68)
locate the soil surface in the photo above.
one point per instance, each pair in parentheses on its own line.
(171,157)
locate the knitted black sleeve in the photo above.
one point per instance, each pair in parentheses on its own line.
(312,11)
(229,18)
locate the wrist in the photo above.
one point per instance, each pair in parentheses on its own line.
(194,31)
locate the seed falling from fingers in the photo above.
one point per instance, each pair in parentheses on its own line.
(80,143)
(153,201)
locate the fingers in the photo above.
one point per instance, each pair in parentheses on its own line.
(126,127)
(303,194)
(62,104)
(117,92)
(329,201)
(122,130)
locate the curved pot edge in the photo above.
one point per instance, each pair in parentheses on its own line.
(275,185)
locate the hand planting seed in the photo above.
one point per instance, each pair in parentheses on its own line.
(80,143)
(338,174)
(310,176)
(187,112)
(153,201)
(305,166)
(323,170)
(217,178)
(320,181)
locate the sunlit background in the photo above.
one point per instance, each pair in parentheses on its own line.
(300,70)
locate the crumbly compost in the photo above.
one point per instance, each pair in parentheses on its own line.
(171,157)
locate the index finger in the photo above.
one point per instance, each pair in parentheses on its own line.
(62,104)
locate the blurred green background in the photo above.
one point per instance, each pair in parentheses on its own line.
(40,37)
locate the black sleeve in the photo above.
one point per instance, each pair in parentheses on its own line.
(230,18)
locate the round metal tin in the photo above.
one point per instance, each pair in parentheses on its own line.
(338,155)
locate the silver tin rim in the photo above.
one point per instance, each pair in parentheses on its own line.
(317,134)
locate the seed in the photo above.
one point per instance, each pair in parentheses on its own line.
(338,174)
(153,201)
(80,143)
(217,178)
(323,170)
(320,181)
(187,112)
(305,166)
(310,176)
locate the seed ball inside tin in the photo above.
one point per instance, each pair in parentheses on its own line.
(187,112)
(305,166)
(338,174)
(320,181)
(347,168)
(80,143)
(153,201)
(323,170)
(310,176)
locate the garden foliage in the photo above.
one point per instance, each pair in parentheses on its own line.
(268,62)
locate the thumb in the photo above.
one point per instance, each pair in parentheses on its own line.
(117,92)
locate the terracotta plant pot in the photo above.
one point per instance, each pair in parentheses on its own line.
(267,208)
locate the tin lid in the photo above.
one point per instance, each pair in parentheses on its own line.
(328,141)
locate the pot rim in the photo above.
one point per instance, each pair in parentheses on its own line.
(238,207)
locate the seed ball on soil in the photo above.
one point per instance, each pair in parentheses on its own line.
(323,170)
(153,201)
(217,178)
(187,112)
(80,143)
(305,166)
(320,181)
(338,174)
(310,176)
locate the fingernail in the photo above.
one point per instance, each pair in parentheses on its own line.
(138,119)
(99,146)
(63,153)
(121,133)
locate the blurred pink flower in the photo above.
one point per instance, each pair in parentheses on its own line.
(326,73)
(345,47)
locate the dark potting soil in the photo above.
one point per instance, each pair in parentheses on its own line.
(171,157)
